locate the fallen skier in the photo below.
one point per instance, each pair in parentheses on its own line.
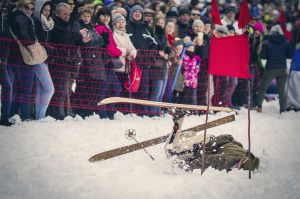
(222,152)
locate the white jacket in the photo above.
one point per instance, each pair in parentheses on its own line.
(123,43)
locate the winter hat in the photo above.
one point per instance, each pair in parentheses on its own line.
(259,26)
(149,11)
(206,20)
(184,10)
(135,8)
(276,30)
(230,9)
(172,12)
(117,17)
(197,22)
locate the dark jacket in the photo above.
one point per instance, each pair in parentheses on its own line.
(23,27)
(141,36)
(67,55)
(183,29)
(4,37)
(65,32)
(92,54)
(276,49)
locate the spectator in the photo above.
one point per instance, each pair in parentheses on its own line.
(172,14)
(171,34)
(159,73)
(190,69)
(142,38)
(22,27)
(276,49)
(203,51)
(220,82)
(43,19)
(67,59)
(232,81)
(111,86)
(7,75)
(183,22)
(92,74)
(148,16)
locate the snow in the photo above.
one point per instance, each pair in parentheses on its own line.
(49,159)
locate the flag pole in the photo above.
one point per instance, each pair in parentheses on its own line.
(249,122)
(205,129)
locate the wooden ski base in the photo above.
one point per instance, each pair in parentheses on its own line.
(134,147)
(112,100)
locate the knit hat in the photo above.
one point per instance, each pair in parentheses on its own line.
(259,26)
(206,20)
(149,11)
(135,8)
(172,12)
(230,9)
(183,11)
(276,30)
(197,22)
(117,17)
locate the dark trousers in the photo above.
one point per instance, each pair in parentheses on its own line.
(281,80)
(57,105)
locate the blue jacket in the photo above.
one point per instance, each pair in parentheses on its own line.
(276,49)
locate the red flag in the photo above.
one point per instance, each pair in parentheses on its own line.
(244,17)
(229,56)
(282,19)
(215,15)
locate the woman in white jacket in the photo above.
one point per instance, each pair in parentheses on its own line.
(123,41)
(129,52)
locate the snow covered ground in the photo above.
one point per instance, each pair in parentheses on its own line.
(49,159)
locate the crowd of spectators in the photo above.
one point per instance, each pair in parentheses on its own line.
(134,31)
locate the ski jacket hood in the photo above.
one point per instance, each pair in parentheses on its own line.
(38,5)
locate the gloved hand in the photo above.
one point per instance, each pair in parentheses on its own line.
(105,37)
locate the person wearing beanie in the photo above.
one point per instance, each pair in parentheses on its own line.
(136,9)
(122,40)
(276,50)
(172,14)
(142,37)
(183,22)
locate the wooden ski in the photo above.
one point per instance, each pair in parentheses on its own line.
(111,100)
(134,147)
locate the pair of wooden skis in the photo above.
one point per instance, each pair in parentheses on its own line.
(142,145)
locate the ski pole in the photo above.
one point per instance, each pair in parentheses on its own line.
(130,134)
(185,46)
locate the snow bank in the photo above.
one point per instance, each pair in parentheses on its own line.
(49,159)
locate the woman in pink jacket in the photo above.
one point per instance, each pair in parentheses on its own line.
(111,87)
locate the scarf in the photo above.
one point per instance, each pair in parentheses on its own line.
(47,24)
(171,40)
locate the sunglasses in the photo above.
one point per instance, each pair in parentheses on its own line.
(29,8)
(195,14)
(71,4)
